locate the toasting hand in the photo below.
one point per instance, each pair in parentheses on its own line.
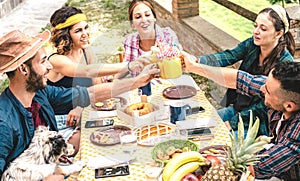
(148,73)
(190,62)
(139,64)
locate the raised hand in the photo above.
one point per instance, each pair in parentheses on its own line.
(139,64)
(189,61)
(148,73)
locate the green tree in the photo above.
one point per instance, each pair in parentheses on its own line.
(284,1)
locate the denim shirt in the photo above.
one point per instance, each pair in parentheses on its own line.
(16,124)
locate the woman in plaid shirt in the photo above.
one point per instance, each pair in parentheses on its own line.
(143,18)
(271,43)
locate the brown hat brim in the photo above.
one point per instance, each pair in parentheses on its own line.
(28,51)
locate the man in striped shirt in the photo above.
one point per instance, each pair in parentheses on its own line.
(281,93)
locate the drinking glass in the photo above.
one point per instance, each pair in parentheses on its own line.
(183,134)
(180,134)
(153,170)
(129,142)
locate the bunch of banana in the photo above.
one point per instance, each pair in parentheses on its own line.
(181,165)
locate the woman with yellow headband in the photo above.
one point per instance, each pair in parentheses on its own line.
(271,43)
(74,65)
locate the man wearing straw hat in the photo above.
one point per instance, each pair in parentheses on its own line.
(28,102)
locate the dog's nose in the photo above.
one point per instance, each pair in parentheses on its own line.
(70,149)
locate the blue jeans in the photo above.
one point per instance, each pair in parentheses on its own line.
(146,90)
(226,114)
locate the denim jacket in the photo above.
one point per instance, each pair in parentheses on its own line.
(16,124)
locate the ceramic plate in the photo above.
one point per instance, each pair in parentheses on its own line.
(179,92)
(161,149)
(108,135)
(109,104)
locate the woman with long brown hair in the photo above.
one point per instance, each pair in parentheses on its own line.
(271,43)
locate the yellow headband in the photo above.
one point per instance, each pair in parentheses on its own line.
(71,21)
(282,14)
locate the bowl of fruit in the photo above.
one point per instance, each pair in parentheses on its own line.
(164,151)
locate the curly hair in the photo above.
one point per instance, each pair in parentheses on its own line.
(286,41)
(61,38)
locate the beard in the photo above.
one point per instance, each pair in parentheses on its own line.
(34,81)
(277,107)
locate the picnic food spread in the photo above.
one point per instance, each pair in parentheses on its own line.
(206,164)
(157,156)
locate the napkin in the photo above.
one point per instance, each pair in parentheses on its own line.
(198,123)
(188,101)
(108,161)
(102,114)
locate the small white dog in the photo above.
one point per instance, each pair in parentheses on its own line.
(41,158)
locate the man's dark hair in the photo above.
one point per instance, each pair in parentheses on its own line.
(11,74)
(288,74)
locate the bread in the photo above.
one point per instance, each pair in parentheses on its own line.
(142,108)
(153,130)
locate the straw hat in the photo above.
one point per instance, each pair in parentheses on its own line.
(16,48)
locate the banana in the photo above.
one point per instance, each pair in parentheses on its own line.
(184,170)
(176,162)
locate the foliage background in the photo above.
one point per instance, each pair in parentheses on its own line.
(230,22)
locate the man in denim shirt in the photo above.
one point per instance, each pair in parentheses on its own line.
(28,102)
(281,93)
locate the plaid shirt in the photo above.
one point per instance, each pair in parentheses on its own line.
(246,51)
(131,43)
(285,153)
(249,53)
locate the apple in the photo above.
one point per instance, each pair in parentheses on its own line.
(190,177)
(213,159)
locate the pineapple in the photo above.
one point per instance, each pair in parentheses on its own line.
(240,154)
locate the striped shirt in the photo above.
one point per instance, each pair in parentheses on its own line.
(285,153)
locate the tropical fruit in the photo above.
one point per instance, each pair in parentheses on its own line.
(179,166)
(240,154)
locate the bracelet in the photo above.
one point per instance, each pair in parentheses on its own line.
(128,67)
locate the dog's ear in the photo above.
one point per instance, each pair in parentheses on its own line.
(41,129)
